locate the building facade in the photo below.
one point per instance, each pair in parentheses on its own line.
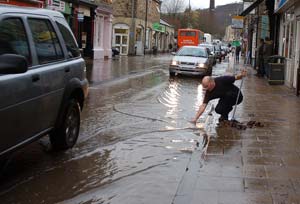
(137,27)
(90,21)
(279,20)
(288,12)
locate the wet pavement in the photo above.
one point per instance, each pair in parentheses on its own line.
(136,145)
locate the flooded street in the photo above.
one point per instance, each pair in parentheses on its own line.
(137,145)
(135,138)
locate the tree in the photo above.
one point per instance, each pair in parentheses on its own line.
(173,7)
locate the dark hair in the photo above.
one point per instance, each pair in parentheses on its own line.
(262,40)
(267,38)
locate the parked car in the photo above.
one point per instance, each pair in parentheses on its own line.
(211,51)
(218,52)
(42,79)
(191,60)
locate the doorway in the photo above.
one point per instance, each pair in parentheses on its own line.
(121,40)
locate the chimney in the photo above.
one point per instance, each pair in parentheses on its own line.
(212,5)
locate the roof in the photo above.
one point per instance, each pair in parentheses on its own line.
(251,7)
(26,10)
(165,23)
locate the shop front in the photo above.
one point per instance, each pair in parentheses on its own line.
(85,17)
(62,6)
(157,39)
(121,37)
(28,3)
(289,38)
(103,32)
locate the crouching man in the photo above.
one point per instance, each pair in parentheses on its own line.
(223,88)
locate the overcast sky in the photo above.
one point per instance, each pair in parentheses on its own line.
(205,3)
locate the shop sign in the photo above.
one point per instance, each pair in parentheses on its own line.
(58,5)
(85,10)
(158,27)
(37,3)
(279,4)
(237,22)
(264,26)
(80,17)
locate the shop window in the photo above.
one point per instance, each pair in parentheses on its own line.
(188,33)
(291,45)
(147,38)
(139,34)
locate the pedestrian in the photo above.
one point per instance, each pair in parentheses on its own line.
(237,53)
(268,46)
(170,47)
(221,88)
(260,70)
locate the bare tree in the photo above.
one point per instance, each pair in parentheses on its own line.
(173,7)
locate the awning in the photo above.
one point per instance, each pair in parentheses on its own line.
(251,7)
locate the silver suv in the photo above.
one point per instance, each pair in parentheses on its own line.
(42,79)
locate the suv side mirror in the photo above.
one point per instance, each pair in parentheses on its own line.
(13,64)
(173,53)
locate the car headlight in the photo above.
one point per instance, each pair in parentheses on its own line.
(174,63)
(201,65)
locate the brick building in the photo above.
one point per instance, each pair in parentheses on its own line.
(131,17)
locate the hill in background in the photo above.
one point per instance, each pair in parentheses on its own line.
(214,22)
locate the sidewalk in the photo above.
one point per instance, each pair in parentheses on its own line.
(259,165)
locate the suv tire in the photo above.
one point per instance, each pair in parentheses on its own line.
(66,134)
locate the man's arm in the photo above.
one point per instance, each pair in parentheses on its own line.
(199,113)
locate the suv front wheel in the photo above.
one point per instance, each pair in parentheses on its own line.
(66,134)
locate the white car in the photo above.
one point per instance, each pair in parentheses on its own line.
(191,60)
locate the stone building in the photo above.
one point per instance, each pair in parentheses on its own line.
(137,27)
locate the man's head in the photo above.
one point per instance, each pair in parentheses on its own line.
(208,83)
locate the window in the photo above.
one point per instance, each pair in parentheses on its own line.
(188,33)
(46,42)
(13,39)
(71,44)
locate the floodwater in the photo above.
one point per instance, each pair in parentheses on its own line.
(134,146)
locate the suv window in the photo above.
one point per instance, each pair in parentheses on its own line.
(13,39)
(71,45)
(46,42)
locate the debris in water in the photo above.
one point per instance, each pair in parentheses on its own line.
(241,126)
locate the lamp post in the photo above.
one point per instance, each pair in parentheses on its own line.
(146,19)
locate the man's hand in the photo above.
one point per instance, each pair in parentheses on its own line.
(241,75)
(194,121)
(244,73)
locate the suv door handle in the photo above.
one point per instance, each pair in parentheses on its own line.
(35,77)
(67,69)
